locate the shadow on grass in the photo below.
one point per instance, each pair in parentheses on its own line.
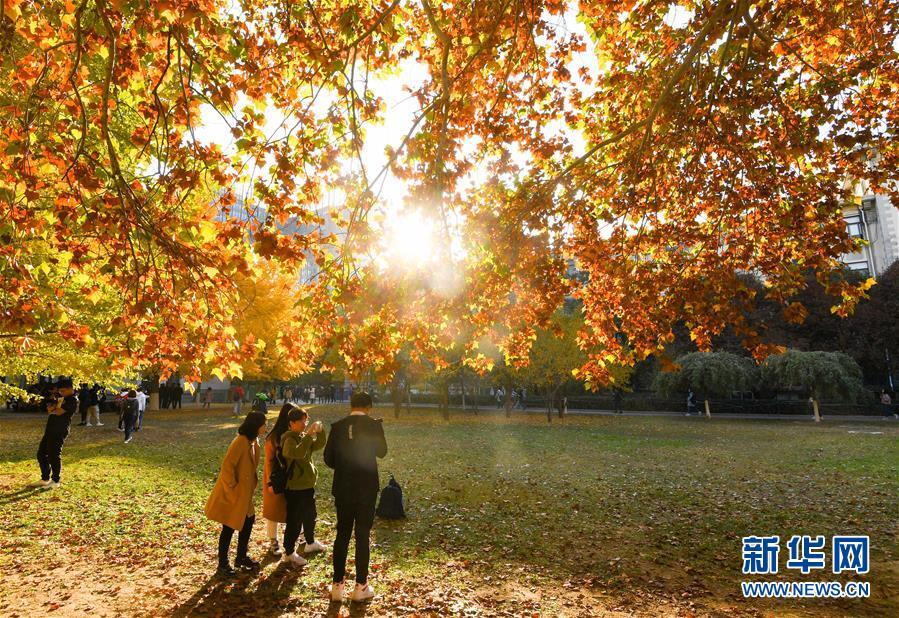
(357,610)
(20,494)
(220,596)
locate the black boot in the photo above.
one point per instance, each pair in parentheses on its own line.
(246,562)
(225,570)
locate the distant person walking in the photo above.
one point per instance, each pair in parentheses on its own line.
(691,402)
(237,395)
(177,394)
(60,410)
(130,411)
(886,404)
(207,397)
(83,396)
(141,408)
(274,506)
(260,403)
(354,444)
(616,397)
(231,500)
(297,446)
(93,406)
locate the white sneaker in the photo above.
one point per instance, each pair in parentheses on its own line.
(293,559)
(120,429)
(275,548)
(337,591)
(53,484)
(99,424)
(89,425)
(40,483)
(313,548)
(363,592)
(128,440)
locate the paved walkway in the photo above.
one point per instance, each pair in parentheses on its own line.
(542,412)
(762,417)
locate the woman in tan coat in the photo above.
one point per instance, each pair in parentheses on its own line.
(231,501)
(274,506)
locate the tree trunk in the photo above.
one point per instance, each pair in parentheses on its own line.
(397,397)
(408,397)
(816,410)
(708,412)
(559,403)
(444,399)
(508,398)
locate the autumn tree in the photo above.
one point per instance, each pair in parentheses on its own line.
(818,374)
(661,154)
(553,357)
(268,315)
(712,374)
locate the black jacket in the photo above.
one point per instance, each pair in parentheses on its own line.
(354,444)
(59,423)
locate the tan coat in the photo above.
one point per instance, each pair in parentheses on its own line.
(274,506)
(231,501)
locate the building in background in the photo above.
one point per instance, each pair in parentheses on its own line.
(875,220)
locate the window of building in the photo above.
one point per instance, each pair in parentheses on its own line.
(854,226)
(860,267)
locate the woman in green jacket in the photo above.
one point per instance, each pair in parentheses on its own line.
(297,446)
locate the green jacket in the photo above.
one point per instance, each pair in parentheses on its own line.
(297,449)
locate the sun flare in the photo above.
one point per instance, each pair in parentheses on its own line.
(408,240)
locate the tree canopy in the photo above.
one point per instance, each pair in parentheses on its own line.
(819,374)
(711,374)
(661,154)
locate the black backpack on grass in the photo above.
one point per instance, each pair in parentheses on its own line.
(391,504)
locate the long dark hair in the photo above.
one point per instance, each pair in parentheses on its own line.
(251,424)
(281,425)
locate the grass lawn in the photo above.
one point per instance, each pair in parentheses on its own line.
(590,516)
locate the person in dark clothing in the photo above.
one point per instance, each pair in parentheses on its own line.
(93,406)
(691,403)
(164,395)
(616,397)
(354,444)
(177,393)
(129,414)
(60,409)
(83,398)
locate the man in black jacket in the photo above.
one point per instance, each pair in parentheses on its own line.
(354,444)
(60,409)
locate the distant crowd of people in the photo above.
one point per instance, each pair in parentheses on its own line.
(237,395)
(170,395)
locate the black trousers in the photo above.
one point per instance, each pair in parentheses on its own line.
(243,540)
(128,421)
(49,455)
(300,510)
(83,409)
(358,513)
